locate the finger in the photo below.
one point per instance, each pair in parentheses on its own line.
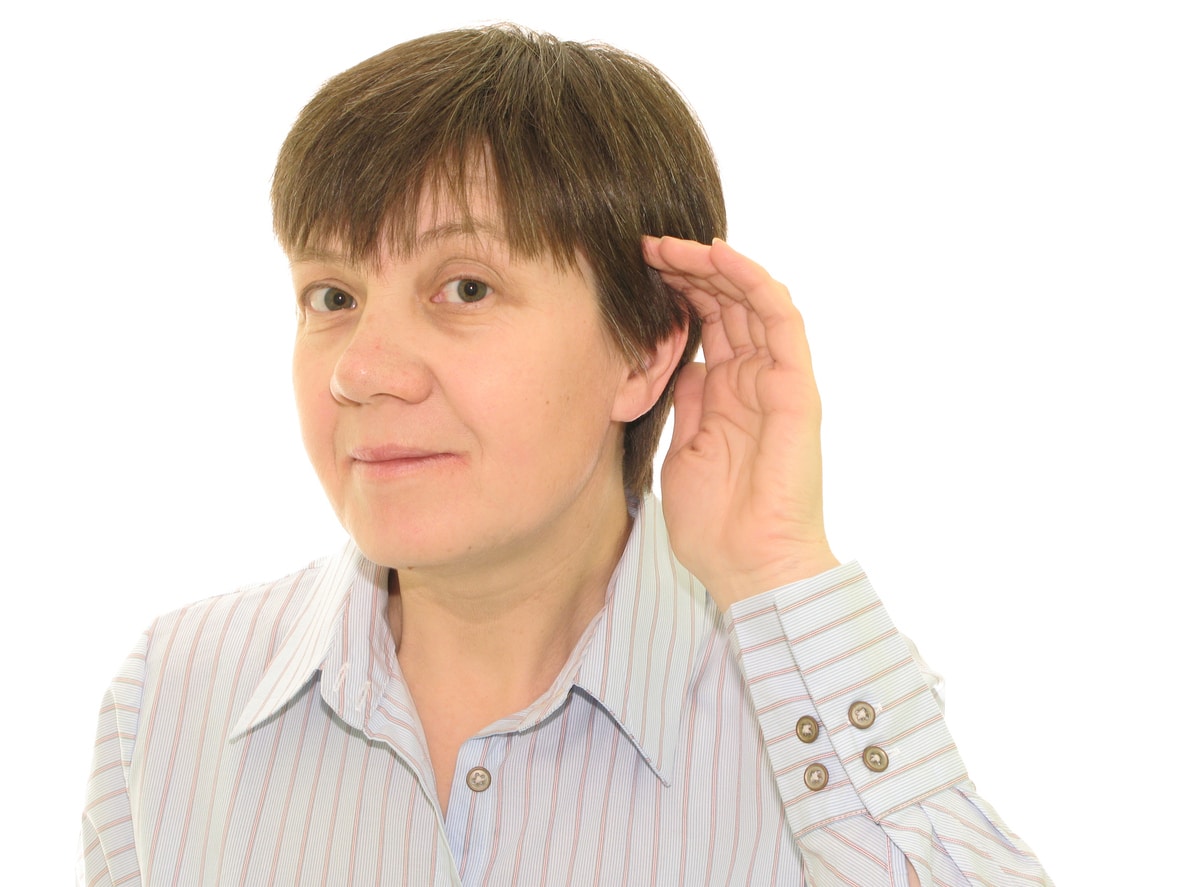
(688,391)
(781,328)
(689,267)
(674,254)
(716,343)
(690,262)
(756,330)
(718,279)
(738,322)
(716,348)
(734,319)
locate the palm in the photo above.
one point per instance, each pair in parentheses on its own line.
(742,482)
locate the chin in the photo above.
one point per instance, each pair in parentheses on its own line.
(401,551)
(401,541)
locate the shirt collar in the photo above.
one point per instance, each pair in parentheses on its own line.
(318,629)
(637,659)
(642,660)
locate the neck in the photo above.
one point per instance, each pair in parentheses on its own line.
(500,632)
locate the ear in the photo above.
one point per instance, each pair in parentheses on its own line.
(642,385)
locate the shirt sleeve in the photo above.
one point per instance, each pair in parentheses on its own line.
(855,734)
(108,847)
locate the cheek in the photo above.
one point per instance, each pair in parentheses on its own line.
(315,407)
(562,408)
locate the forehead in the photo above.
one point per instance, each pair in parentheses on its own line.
(447,217)
(443,218)
(463,190)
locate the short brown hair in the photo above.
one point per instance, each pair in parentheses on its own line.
(589,147)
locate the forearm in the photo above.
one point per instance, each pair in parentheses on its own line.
(855,737)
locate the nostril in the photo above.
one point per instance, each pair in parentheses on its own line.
(338,391)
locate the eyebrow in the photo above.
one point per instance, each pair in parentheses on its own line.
(474,230)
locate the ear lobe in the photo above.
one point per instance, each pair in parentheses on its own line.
(644,384)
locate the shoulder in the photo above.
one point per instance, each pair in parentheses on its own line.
(192,650)
(221,646)
(267,607)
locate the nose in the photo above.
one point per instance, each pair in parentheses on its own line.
(380,363)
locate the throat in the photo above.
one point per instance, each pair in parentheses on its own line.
(472,658)
(451,717)
(463,678)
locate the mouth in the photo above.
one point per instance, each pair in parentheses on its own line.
(392,460)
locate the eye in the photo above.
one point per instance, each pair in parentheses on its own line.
(329,298)
(465,289)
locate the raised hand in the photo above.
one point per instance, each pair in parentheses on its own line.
(741,486)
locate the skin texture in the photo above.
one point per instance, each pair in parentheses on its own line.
(465,409)
(741,486)
(475,447)
(742,483)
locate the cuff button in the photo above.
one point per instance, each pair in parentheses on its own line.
(807,729)
(816,777)
(861,714)
(875,758)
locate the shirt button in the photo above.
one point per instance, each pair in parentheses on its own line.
(807,729)
(862,715)
(816,777)
(875,758)
(478,779)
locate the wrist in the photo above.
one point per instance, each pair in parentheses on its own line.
(733,586)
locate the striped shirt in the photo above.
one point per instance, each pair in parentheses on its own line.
(267,737)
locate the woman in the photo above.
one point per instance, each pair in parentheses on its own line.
(522,668)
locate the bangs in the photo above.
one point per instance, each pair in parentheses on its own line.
(578,150)
(522,112)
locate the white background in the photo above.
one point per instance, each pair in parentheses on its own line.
(977,207)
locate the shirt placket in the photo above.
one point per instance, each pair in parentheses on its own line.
(475,796)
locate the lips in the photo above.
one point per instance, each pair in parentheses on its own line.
(395,460)
(390,453)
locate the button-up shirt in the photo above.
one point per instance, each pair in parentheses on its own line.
(268,737)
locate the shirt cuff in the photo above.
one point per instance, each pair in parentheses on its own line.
(835,686)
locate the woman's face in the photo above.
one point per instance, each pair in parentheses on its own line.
(459,402)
